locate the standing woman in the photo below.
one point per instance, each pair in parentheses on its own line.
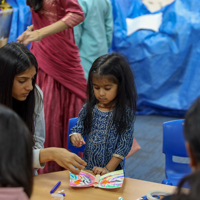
(60,74)
(18,91)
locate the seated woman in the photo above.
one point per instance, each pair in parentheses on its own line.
(19,92)
(16,169)
(192,136)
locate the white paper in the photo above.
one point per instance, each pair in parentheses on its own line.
(58,195)
(144,22)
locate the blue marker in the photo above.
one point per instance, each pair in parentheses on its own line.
(55,187)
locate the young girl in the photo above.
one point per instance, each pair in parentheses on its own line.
(16,169)
(18,91)
(106,121)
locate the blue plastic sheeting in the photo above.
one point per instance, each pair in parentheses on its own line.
(20,20)
(166,64)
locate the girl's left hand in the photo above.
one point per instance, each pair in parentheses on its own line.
(100,170)
(29,36)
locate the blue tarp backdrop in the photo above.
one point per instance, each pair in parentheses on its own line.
(165,63)
(20,20)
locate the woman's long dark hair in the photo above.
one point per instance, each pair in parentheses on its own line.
(192,136)
(114,67)
(35,4)
(16,159)
(193,182)
(15,58)
(192,128)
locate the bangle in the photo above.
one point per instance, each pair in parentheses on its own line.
(40,36)
(107,169)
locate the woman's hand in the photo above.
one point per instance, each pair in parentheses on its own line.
(77,140)
(63,158)
(100,170)
(36,35)
(68,160)
(29,36)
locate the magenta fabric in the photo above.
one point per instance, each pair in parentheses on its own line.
(58,56)
(59,106)
(60,75)
(7,193)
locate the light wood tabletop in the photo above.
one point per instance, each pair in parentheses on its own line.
(132,189)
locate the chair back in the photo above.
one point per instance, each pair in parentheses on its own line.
(77,150)
(174,145)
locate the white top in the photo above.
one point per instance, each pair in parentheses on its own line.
(39,134)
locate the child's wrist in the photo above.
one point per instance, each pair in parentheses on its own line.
(107,169)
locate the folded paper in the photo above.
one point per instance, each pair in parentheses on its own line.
(108,181)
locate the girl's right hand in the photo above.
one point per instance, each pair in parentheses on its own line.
(77,140)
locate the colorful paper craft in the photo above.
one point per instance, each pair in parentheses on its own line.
(108,181)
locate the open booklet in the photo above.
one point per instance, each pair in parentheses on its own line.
(108,181)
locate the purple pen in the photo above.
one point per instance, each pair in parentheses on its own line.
(55,187)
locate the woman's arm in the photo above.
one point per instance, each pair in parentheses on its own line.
(73,17)
(39,134)
(63,158)
(36,35)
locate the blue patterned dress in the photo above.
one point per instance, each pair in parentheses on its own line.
(102,143)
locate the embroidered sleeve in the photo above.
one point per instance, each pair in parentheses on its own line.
(72,19)
(78,128)
(125,141)
(74,14)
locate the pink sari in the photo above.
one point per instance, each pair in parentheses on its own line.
(61,78)
(58,56)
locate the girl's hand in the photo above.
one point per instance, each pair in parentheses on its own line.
(77,140)
(29,36)
(100,170)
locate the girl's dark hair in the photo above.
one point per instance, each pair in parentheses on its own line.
(16,159)
(35,4)
(114,67)
(15,58)
(192,128)
(193,182)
